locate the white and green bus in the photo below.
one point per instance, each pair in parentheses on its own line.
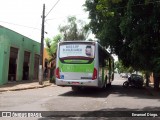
(83,64)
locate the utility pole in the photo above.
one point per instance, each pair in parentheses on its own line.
(41,48)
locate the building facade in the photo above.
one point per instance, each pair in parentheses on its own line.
(19,57)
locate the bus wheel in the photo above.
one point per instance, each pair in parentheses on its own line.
(75,88)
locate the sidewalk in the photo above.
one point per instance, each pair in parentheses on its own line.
(23,85)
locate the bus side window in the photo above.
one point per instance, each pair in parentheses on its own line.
(106,63)
(102,61)
(100,58)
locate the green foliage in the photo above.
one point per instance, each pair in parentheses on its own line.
(52,46)
(74,29)
(51,50)
(122,69)
(156,61)
(130,28)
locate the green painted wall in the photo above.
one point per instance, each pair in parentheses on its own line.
(9,38)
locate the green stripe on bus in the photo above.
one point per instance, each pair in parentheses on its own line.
(88,68)
(75,61)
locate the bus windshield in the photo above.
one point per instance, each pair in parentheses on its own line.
(74,52)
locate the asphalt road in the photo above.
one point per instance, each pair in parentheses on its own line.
(53,98)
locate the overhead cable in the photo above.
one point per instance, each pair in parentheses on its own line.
(52,7)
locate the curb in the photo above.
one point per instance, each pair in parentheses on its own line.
(25,88)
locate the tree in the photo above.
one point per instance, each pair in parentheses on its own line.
(122,69)
(131,29)
(51,45)
(74,29)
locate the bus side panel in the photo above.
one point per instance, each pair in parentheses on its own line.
(98,67)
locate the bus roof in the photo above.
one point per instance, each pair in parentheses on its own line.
(78,41)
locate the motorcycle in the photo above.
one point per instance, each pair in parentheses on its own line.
(134,80)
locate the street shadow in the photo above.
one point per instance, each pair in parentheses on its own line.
(89,92)
(138,93)
(142,93)
(147,113)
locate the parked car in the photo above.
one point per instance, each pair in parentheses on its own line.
(134,80)
(124,75)
(135,76)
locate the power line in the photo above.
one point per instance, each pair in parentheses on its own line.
(52,7)
(19,25)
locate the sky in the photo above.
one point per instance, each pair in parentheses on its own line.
(24,16)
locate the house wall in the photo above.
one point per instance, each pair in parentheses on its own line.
(9,38)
